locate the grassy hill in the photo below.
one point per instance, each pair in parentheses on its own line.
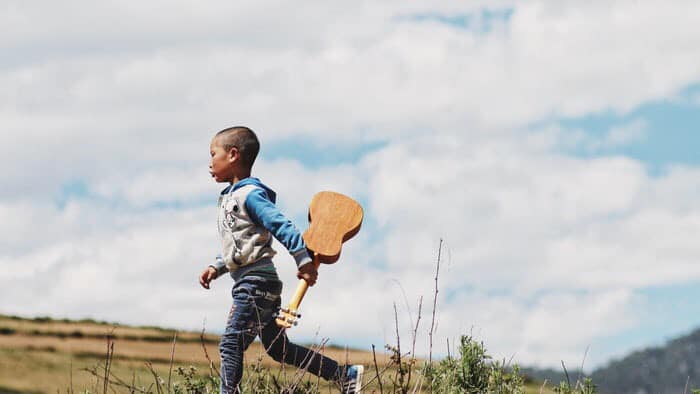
(671,368)
(44,355)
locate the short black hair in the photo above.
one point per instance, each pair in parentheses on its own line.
(243,139)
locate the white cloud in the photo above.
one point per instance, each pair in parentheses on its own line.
(127,97)
(175,77)
(390,74)
(522,222)
(158,186)
(533,240)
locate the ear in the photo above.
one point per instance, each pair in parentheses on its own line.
(233,154)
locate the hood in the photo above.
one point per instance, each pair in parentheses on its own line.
(252,181)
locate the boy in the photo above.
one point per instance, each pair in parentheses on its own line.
(248,219)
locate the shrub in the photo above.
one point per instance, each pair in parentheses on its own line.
(473,372)
(7,331)
(585,387)
(194,384)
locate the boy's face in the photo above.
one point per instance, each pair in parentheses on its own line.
(221,164)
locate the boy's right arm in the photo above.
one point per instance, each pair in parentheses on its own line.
(212,272)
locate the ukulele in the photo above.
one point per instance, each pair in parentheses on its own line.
(333,219)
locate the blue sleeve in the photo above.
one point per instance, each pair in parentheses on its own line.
(266,214)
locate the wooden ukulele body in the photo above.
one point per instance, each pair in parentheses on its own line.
(333,219)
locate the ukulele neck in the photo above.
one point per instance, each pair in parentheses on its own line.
(302,287)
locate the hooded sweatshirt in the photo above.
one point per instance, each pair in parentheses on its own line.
(248,219)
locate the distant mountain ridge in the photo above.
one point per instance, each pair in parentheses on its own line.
(671,368)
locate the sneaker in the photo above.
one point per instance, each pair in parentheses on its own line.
(353,380)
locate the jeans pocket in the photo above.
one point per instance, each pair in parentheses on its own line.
(255,300)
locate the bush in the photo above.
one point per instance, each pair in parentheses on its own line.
(473,372)
(585,387)
(7,331)
(260,380)
(193,384)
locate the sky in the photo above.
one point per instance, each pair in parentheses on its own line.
(552,146)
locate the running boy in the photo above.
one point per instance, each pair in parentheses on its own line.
(248,219)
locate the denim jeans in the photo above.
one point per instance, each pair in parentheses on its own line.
(255,299)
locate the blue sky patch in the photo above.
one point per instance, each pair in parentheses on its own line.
(480,22)
(660,320)
(76,189)
(671,132)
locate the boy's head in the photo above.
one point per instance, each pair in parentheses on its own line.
(233,152)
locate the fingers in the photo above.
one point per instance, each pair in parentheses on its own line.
(309,278)
(205,278)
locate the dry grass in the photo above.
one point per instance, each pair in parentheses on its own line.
(45,363)
(43,356)
(189,352)
(45,371)
(124,349)
(57,327)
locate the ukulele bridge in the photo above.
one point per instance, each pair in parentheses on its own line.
(287,311)
(286,317)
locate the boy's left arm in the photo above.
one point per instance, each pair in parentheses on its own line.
(265,212)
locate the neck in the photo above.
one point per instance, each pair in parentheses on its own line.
(240,177)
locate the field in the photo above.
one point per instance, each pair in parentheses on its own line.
(47,356)
(42,355)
